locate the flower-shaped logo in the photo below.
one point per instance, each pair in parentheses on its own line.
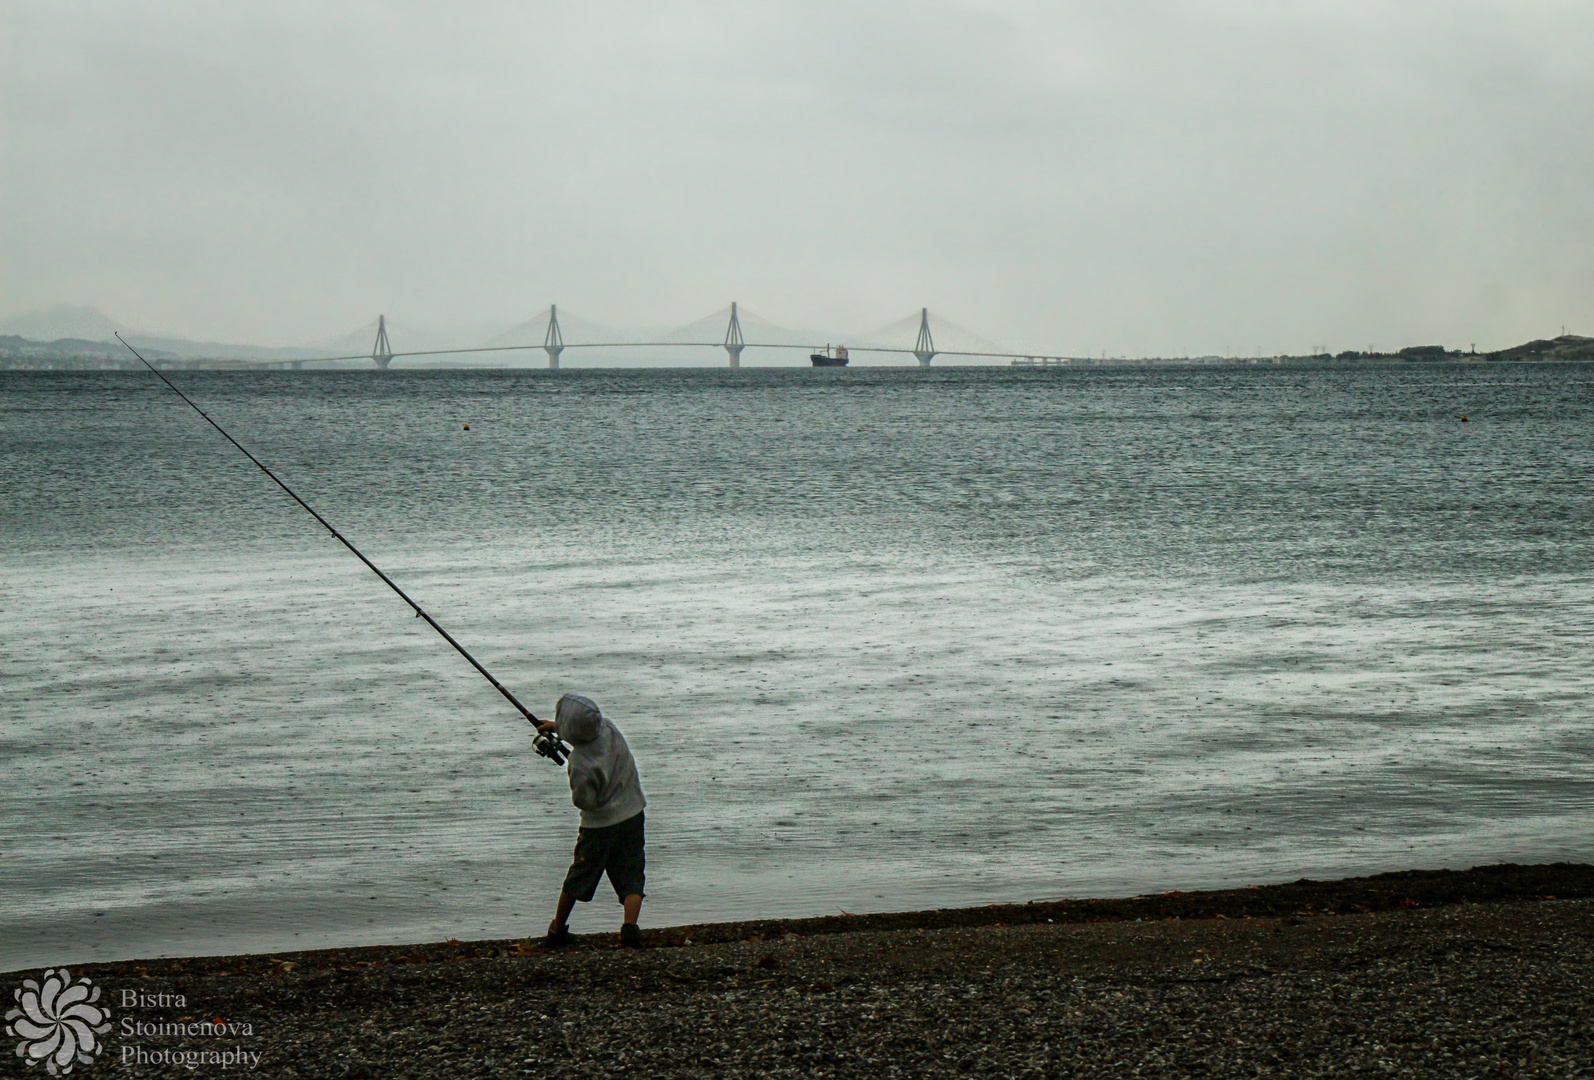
(58,1022)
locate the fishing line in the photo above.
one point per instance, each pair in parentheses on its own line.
(547,744)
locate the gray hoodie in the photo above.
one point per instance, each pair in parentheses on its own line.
(603,777)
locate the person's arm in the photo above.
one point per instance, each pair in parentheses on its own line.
(548,743)
(585,787)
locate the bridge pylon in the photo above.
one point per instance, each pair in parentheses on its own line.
(553,342)
(924,348)
(382,352)
(733,338)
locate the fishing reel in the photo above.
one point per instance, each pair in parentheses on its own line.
(549,745)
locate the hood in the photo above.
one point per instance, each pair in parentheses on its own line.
(577,719)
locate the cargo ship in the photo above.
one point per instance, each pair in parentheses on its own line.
(836,357)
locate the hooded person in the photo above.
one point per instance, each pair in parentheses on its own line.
(606,788)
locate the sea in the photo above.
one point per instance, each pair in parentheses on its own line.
(881,639)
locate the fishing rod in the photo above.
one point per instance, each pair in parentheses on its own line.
(547,743)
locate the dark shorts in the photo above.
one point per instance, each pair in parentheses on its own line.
(615,849)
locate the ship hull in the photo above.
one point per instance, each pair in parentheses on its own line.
(821,360)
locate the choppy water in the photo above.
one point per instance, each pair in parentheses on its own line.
(882,639)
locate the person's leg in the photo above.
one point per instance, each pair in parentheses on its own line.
(628,875)
(581,882)
(561,919)
(630,933)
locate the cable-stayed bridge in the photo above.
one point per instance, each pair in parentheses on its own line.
(921,345)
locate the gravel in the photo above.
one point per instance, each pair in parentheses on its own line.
(1500,988)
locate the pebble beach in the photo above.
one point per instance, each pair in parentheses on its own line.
(1479,973)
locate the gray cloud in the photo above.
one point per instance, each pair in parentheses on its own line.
(1130,176)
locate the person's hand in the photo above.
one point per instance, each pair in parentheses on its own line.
(544,726)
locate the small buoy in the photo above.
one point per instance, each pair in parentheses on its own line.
(1463,420)
(467,426)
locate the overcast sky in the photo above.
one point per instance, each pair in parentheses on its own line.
(1134,176)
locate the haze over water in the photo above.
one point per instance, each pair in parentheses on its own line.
(882,639)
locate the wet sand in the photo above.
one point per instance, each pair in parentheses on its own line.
(1477,973)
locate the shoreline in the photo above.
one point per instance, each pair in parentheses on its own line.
(1419,973)
(1394,890)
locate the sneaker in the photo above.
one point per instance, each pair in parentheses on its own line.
(558,938)
(630,936)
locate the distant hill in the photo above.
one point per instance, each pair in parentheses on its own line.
(18,351)
(75,330)
(1565,347)
(62,322)
(216,350)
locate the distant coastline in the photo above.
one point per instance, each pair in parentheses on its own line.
(81,354)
